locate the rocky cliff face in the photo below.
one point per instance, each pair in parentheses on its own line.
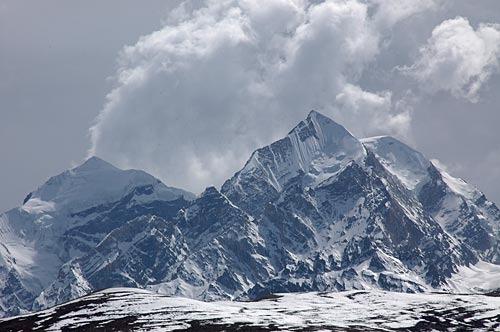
(318,210)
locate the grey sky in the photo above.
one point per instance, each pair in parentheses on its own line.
(56,56)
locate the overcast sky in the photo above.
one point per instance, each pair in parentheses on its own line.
(209,81)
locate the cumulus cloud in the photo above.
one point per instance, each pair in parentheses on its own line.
(457,58)
(373,113)
(220,79)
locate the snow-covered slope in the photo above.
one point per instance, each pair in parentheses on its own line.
(407,164)
(461,209)
(138,310)
(318,210)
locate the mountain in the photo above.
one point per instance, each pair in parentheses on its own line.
(319,210)
(461,209)
(129,309)
(68,216)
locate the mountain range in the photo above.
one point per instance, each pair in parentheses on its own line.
(318,210)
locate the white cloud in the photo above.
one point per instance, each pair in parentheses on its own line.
(391,12)
(458,58)
(193,99)
(372,113)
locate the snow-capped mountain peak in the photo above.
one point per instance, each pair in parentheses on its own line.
(67,216)
(323,129)
(407,164)
(321,143)
(317,147)
(94,163)
(460,208)
(93,182)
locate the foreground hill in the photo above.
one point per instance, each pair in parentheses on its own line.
(139,310)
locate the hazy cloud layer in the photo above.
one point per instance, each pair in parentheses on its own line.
(458,58)
(193,99)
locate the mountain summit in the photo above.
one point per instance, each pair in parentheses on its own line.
(93,182)
(316,149)
(318,210)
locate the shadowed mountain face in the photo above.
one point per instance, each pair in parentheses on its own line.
(318,210)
